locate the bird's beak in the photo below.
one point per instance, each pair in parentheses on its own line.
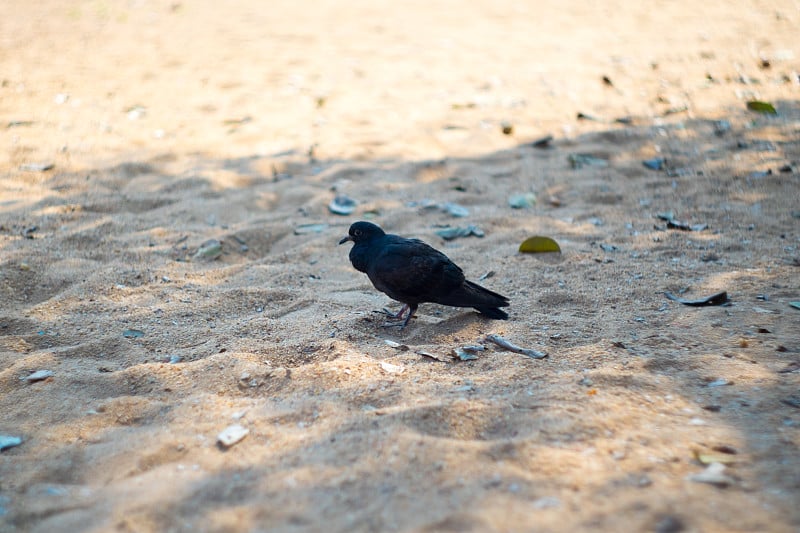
(344,240)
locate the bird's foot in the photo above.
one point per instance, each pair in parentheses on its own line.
(396,319)
(394,316)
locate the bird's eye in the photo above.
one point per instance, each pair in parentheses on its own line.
(357,232)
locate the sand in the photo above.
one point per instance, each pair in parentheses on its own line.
(134,132)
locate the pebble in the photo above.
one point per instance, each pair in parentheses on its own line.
(36,167)
(209,250)
(455,210)
(232,435)
(577,161)
(453,232)
(521,201)
(39,375)
(342,205)
(548,502)
(389,368)
(657,163)
(396,345)
(463,354)
(304,229)
(713,475)
(7,441)
(136,112)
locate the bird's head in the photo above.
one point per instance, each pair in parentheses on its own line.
(362,232)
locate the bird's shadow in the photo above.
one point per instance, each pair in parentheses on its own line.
(426,327)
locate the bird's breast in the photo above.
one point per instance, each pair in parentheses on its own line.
(359,257)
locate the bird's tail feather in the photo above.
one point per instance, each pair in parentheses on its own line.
(473,295)
(492,312)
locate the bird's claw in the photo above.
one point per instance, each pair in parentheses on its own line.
(394,316)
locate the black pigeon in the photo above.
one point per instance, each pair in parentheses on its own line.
(411,272)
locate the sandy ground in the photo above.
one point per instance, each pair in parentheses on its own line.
(168,124)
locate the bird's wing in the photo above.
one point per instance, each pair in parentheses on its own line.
(411,271)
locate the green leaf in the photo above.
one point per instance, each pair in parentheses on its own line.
(761,107)
(539,244)
(796,305)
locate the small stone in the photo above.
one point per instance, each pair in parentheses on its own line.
(453,232)
(389,368)
(548,502)
(396,345)
(577,161)
(232,435)
(463,354)
(543,142)
(455,210)
(209,250)
(657,163)
(342,205)
(7,441)
(521,201)
(39,375)
(36,167)
(713,475)
(136,112)
(304,229)
(721,127)
(670,524)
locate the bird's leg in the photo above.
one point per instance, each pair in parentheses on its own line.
(411,310)
(395,318)
(398,315)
